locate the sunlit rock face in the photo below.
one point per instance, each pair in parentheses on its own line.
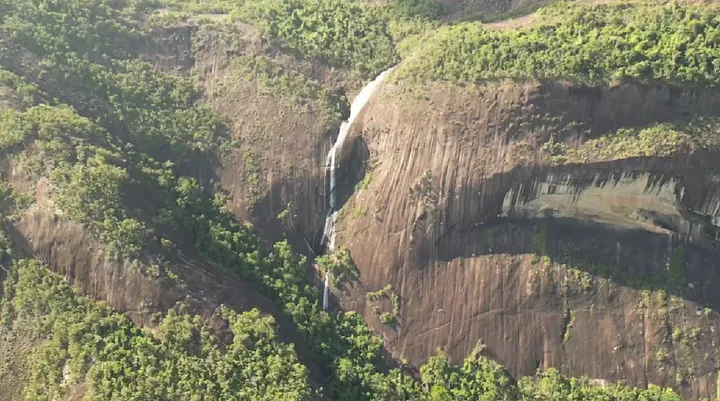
(574,267)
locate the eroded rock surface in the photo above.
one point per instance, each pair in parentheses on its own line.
(604,269)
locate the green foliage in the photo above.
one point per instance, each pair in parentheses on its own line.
(28,91)
(365,182)
(410,33)
(569,321)
(339,263)
(88,43)
(96,29)
(387,318)
(90,151)
(169,19)
(661,140)
(343,33)
(44,123)
(14,130)
(89,193)
(277,79)
(674,43)
(586,256)
(379,294)
(158,113)
(430,9)
(12,205)
(341,342)
(126,124)
(676,279)
(552,386)
(386,293)
(87,341)
(47,135)
(478,379)
(252,175)
(539,242)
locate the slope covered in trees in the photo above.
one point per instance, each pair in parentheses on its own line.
(672,43)
(82,341)
(102,126)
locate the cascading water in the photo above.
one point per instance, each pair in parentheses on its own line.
(357,106)
(326,291)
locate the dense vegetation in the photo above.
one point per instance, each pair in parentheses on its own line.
(350,34)
(674,43)
(342,33)
(102,126)
(83,341)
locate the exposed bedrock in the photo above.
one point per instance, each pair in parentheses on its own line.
(605,269)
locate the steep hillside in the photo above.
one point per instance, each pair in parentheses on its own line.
(508,197)
(561,223)
(590,268)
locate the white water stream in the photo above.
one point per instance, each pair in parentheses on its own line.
(326,291)
(357,106)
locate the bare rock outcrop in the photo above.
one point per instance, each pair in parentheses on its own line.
(601,269)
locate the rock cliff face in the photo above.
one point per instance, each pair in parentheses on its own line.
(278,162)
(604,269)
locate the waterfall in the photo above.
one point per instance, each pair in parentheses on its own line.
(357,106)
(326,291)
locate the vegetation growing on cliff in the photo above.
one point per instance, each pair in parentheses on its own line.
(660,140)
(381,294)
(343,33)
(674,43)
(84,341)
(115,126)
(356,35)
(12,204)
(340,265)
(551,385)
(303,90)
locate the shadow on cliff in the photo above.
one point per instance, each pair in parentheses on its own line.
(646,243)
(304,222)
